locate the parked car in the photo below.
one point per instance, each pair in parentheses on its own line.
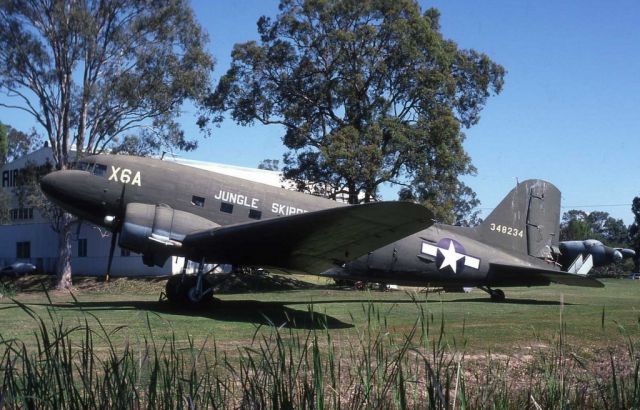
(18,269)
(635,276)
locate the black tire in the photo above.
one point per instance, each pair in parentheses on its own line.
(497,295)
(343,282)
(189,288)
(179,291)
(175,289)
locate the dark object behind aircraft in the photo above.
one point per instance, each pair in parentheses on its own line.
(576,255)
(18,269)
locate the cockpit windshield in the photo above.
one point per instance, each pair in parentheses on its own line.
(84,166)
(81,166)
(100,170)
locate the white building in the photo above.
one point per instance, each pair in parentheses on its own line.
(29,236)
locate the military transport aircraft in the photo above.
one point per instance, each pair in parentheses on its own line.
(160,208)
(517,245)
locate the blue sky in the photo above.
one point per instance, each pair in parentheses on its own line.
(569,112)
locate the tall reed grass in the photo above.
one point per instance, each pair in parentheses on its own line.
(85,365)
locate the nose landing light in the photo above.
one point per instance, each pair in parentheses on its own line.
(109,220)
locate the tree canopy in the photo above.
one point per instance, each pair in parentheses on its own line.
(15,144)
(270,164)
(581,225)
(4,144)
(634,232)
(368,92)
(92,73)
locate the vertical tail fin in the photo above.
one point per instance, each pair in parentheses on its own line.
(526,221)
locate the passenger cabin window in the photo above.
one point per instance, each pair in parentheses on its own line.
(197,201)
(226,207)
(100,170)
(254,214)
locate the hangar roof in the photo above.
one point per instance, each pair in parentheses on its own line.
(273,178)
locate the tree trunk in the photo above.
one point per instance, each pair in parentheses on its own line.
(63,268)
(353,193)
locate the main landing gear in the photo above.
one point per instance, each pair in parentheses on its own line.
(189,290)
(497,295)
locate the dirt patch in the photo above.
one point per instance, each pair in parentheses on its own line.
(222,283)
(255,282)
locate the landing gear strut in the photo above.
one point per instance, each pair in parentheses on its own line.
(192,290)
(497,295)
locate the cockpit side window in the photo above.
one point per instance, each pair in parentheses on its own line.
(100,170)
(82,166)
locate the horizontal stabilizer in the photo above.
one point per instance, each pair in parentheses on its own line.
(311,242)
(508,274)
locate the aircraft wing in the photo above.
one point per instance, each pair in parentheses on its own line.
(311,242)
(508,274)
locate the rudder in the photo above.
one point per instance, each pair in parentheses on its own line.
(526,221)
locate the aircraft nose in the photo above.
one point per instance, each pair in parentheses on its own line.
(617,256)
(49,184)
(62,187)
(77,192)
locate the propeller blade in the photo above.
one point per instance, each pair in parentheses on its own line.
(114,238)
(114,234)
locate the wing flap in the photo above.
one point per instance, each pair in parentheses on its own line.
(314,241)
(515,275)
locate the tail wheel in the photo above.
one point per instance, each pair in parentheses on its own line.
(497,295)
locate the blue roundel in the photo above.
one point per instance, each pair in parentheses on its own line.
(451,256)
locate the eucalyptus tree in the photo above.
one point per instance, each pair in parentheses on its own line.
(94,74)
(367,92)
(15,143)
(634,232)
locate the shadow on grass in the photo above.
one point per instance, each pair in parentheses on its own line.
(250,311)
(269,313)
(513,302)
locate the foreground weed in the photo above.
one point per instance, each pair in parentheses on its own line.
(86,364)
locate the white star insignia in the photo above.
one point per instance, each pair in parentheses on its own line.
(451,257)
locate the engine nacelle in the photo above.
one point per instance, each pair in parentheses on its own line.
(602,255)
(157,231)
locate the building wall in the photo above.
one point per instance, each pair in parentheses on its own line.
(39,235)
(9,178)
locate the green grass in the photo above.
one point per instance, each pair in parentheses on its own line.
(528,315)
(116,346)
